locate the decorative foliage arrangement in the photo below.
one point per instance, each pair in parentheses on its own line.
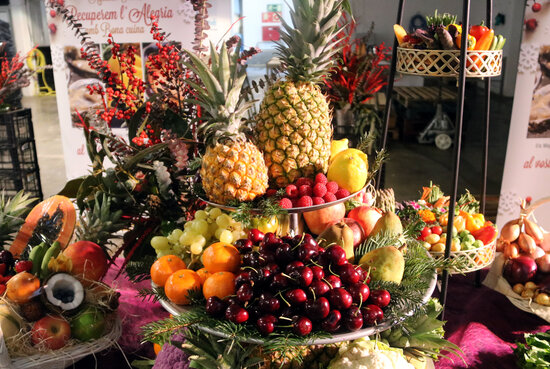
(14,75)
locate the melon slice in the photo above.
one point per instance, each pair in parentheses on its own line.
(51,220)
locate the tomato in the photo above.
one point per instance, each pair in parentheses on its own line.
(425,233)
(436,230)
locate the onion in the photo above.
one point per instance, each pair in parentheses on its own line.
(543,263)
(545,244)
(519,270)
(537,253)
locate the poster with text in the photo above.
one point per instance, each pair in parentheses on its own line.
(527,167)
(129,23)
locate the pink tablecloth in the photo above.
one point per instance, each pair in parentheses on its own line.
(481,321)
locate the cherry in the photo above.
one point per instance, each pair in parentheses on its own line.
(372,315)
(296,296)
(339,298)
(337,255)
(241,278)
(244,245)
(293,266)
(302,326)
(266,258)
(317,309)
(307,252)
(273,268)
(266,324)
(288,312)
(254,312)
(279,281)
(310,241)
(349,274)
(256,236)
(332,322)
(380,298)
(262,276)
(531,24)
(353,319)
(333,281)
(270,246)
(245,293)
(215,306)
(283,254)
(318,288)
(268,303)
(251,260)
(536,7)
(302,275)
(359,292)
(318,272)
(236,314)
(365,275)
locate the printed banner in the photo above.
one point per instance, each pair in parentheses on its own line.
(129,22)
(527,166)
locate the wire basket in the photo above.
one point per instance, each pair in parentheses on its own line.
(61,358)
(471,260)
(446,63)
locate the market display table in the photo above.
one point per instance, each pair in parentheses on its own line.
(481,321)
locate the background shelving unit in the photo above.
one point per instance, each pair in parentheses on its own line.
(457,141)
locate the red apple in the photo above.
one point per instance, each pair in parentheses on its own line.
(317,221)
(88,259)
(367,216)
(358,232)
(52,331)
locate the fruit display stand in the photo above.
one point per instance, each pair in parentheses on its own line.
(461,71)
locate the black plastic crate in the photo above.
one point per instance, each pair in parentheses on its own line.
(16,127)
(12,182)
(21,156)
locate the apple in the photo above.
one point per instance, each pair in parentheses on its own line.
(52,331)
(367,216)
(317,221)
(88,325)
(88,259)
(358,232)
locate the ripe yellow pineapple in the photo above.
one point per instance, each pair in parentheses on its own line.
(233,168)
(294,127)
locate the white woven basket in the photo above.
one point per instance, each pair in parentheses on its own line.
(473,260)
(61,358)
(446,63)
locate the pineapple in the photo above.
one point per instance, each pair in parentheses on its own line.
(12,214)
(294,127)
(233,168)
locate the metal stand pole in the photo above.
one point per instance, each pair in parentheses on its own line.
(389,91)
(457,145)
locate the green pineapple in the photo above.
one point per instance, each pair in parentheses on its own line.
(12,213)
(305,357)
(294,126)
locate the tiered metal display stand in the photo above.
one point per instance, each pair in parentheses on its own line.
(444,63)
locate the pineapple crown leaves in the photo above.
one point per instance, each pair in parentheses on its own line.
(12,213)
(221,95)
(309,44)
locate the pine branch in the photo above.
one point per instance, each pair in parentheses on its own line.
(381,157)
(139,270)
(152,294)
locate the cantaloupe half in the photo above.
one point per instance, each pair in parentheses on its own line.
(51,220)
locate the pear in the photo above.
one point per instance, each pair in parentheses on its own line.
(385,263)
(388,223)
(342,235)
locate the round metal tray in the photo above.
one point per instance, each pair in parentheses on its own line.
(339,337)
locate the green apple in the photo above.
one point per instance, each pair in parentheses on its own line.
(88,325)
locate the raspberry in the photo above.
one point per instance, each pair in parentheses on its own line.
(294,202)
(270,192)
(305,190)
(291,191)
(320,178)
(332,187)
(318,201)
(319,190)
(304,202)
(304,181)
(341,193)
(285,203)
(329,197)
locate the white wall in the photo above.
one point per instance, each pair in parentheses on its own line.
(384,14)
(252,23)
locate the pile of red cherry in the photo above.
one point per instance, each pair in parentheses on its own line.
(291,282)
(308,192)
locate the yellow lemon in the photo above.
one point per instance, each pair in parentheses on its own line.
(349,169)
(337,146)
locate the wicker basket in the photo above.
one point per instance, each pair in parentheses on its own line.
(472,259)
(446,63)
(61,358)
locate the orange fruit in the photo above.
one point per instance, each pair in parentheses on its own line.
(164,267)
(204,274)
(179,284)
(221,257)
(21,287)
(220,284)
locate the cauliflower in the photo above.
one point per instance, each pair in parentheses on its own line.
(366,354)
(172,357)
